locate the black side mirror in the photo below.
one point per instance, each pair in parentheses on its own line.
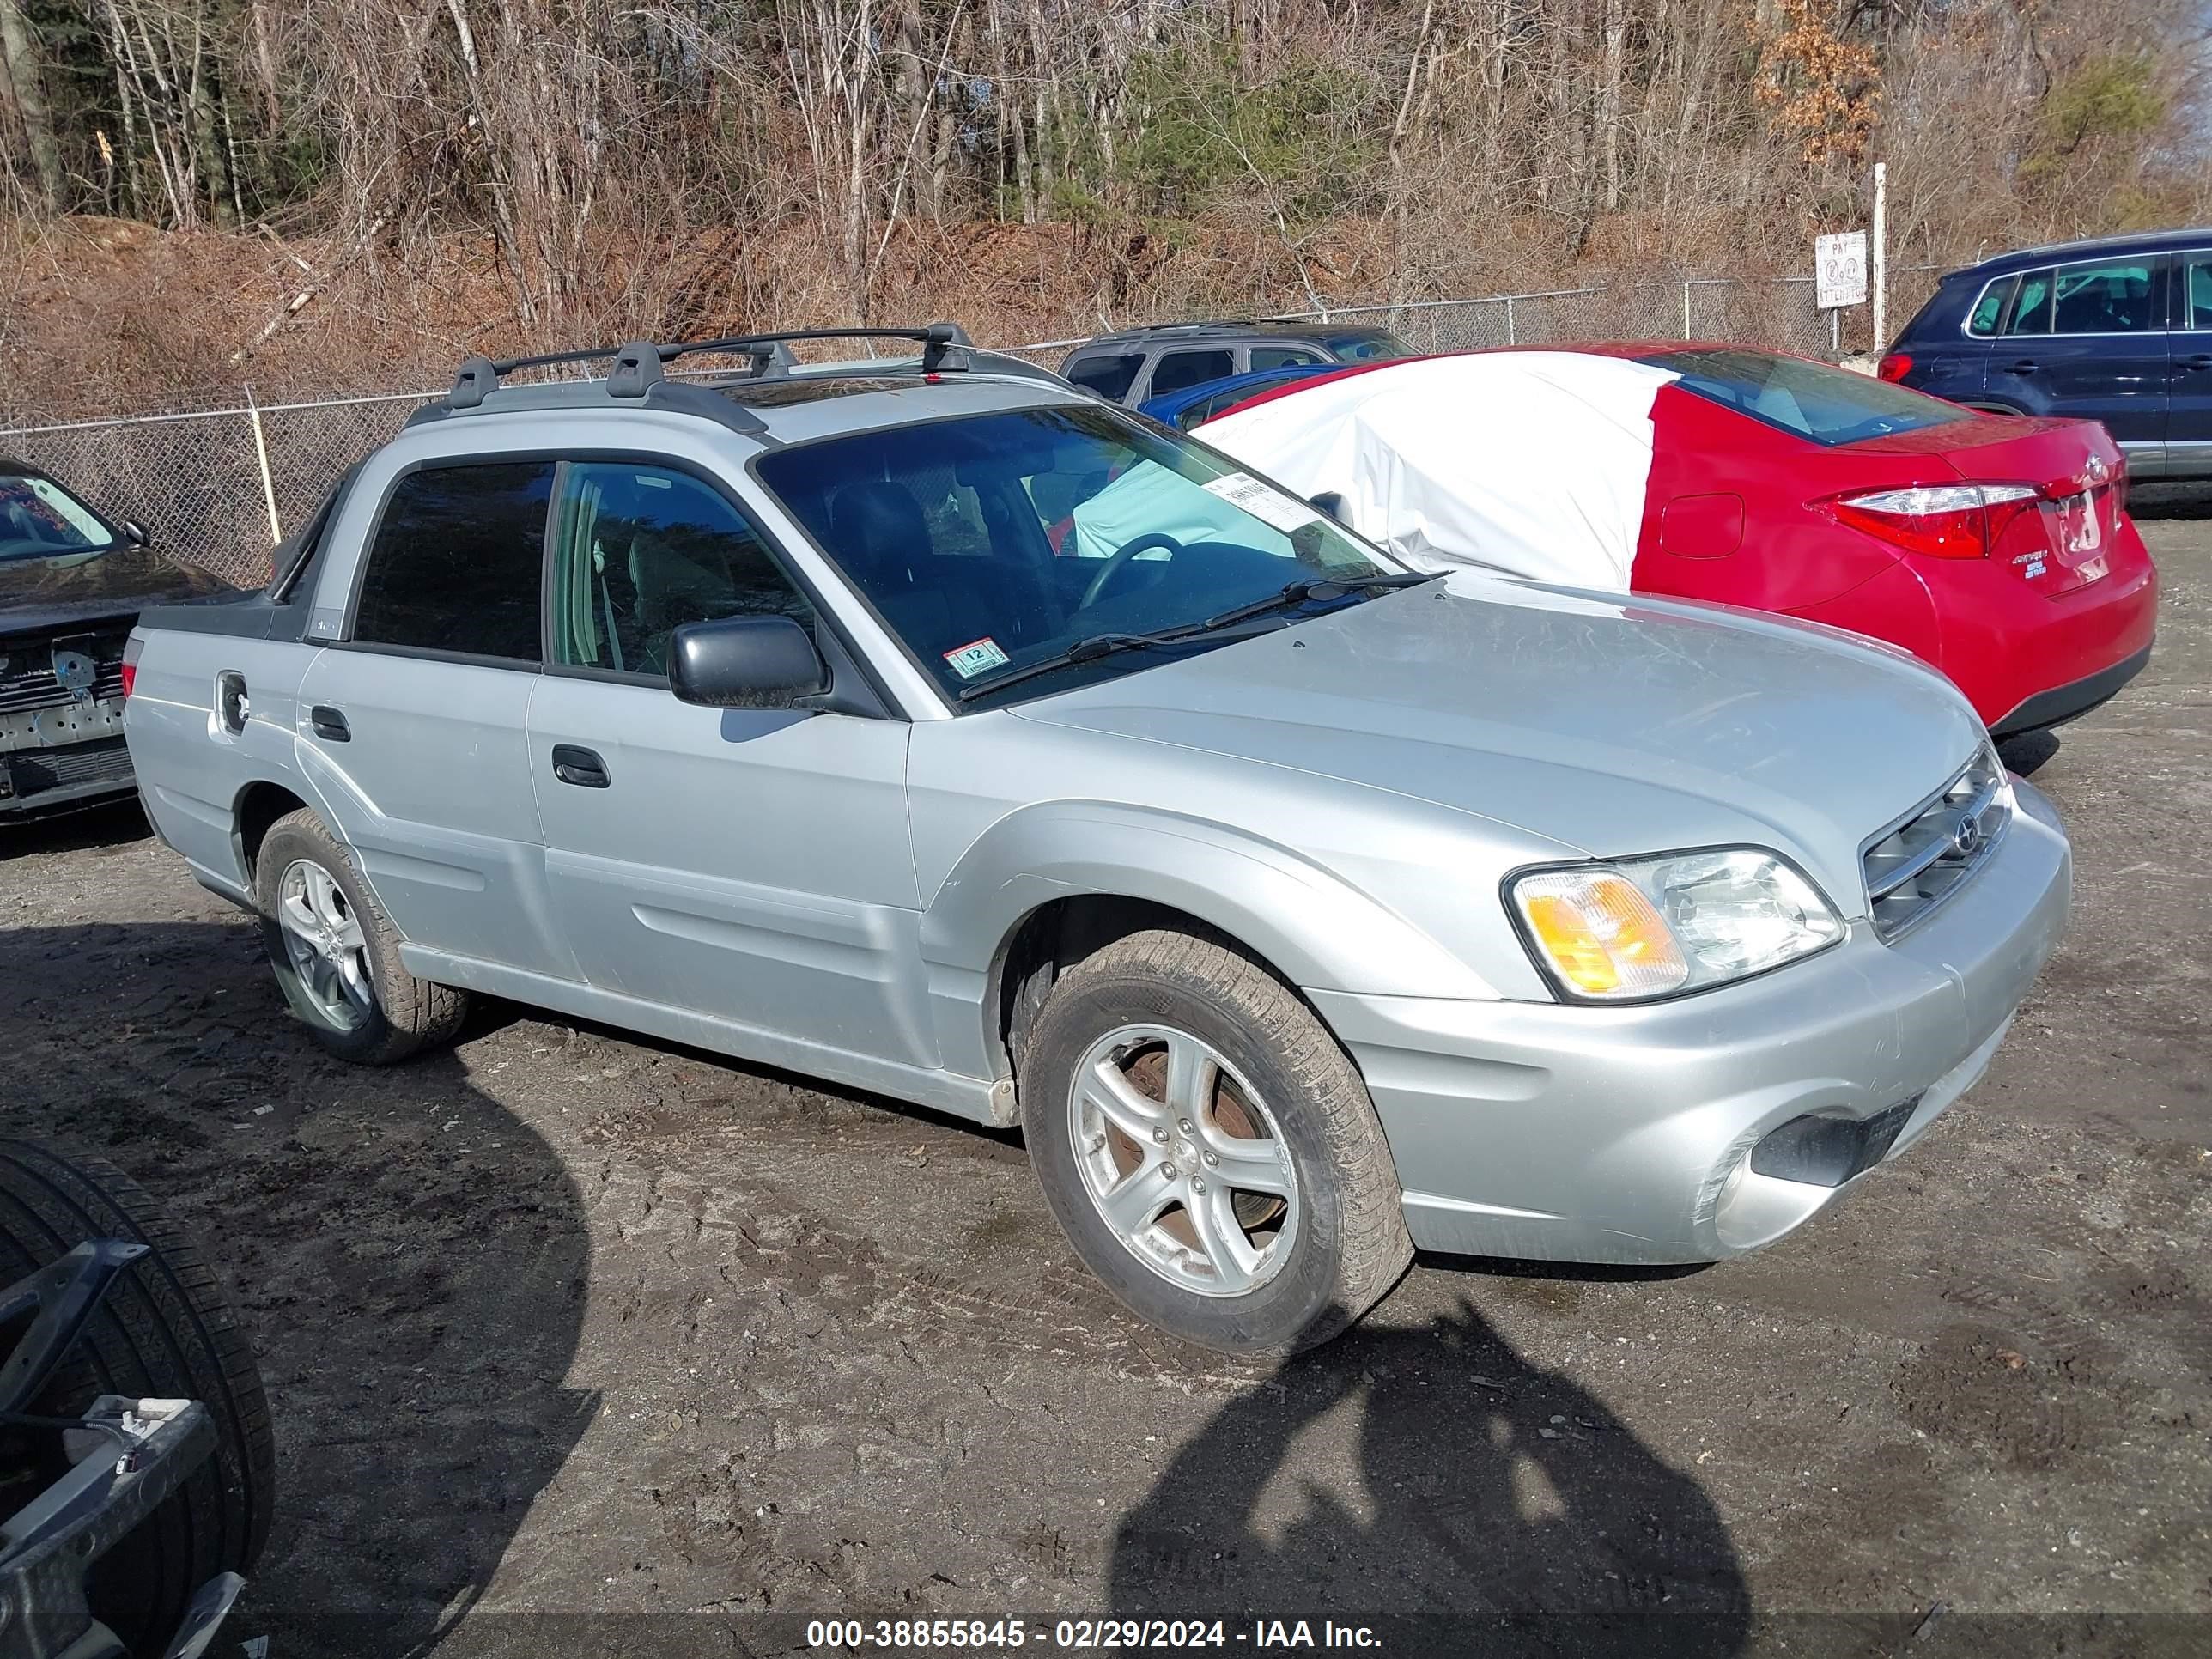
(1328,501)
(745,662)
(135,533)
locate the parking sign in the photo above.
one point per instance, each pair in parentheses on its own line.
(1839,264)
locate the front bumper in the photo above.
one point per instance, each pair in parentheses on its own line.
(1556,1132)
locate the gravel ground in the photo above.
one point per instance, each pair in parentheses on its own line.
(568,1335)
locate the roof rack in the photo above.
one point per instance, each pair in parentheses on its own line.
(636,367)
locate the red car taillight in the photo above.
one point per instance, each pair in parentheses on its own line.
(1941,521)
(1896,366)
(131,648)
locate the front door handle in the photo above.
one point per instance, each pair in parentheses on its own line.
(2024,365)
(2197,359)
(581,767)
(329,724)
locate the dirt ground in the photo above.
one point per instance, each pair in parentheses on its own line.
(568,1335)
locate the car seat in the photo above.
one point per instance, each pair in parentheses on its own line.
(879,535)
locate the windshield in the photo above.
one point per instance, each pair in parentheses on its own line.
(991,541)
(39,519)
(1828,405)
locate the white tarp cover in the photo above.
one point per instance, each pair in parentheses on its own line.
(1530,462)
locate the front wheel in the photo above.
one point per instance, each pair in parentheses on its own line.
(336,955)
(1209,1150)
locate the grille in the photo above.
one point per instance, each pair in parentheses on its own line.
(36,771)
(1915,865)
(27,671)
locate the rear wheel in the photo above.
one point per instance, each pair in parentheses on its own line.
(165,1330)
(1209,1150)
(336,955)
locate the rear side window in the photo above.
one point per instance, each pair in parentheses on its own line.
(455,562)
(1991,306)
(1282,356)
(2195,309)
(638,552)
(2031,312)
(1109,377)
(1827,405)
(1178,369)
(2118,297)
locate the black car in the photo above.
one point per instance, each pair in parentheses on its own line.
(1137,364)
(2118,329)
(72,582)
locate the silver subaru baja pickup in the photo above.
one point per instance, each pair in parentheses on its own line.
(932,727)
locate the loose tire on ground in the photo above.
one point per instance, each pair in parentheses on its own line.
(165,1330)
(408,1014)
(1349,1245)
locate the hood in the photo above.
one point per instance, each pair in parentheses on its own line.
(40,596)
(1614,726)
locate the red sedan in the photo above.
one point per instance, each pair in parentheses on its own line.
(1998,548)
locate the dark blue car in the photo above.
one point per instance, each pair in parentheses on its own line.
(2118,329)
(1196,404)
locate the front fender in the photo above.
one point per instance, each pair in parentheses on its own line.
(1309,924)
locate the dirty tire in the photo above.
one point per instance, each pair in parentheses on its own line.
(165,1330)
(1351,1245)
(409,1014)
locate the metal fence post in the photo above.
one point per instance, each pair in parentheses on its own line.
(1509,339)
(261,454)
(1686,310)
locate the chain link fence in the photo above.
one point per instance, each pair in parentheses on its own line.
(219,487)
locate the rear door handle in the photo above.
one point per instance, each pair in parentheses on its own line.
(581,767)
(2197,359)
(329,724)
(2024,365)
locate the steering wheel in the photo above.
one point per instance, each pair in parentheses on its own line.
(1119,558)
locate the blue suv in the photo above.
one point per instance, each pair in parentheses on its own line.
(2118,329)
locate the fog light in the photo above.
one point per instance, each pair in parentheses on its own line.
(1826,1151)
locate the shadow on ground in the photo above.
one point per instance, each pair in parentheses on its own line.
(411,1261)
(1436,1476)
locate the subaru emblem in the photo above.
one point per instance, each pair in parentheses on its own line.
(1966,839)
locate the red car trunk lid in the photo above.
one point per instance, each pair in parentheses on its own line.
(2074,467)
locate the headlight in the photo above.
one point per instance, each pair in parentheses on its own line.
(1649,927)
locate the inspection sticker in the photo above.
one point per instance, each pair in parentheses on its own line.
(972,659)
(1262,500)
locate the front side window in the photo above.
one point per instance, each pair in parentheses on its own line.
(1991,306)
(1110,377)
(1178,369)
(1282,356)
(2031,311)
(1825,404)
(39,519)
(456,560)
(2118,297)
(638,552)
(1094,525)
(1368,345)
(2195,307)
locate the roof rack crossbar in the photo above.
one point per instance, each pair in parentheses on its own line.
(940,345)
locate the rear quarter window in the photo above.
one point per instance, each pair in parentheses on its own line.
(1814,401)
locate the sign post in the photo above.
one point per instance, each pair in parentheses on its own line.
(1840,276)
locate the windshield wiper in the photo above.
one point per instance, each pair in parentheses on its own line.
(1096,645)
(1298,593)
(1090,649)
